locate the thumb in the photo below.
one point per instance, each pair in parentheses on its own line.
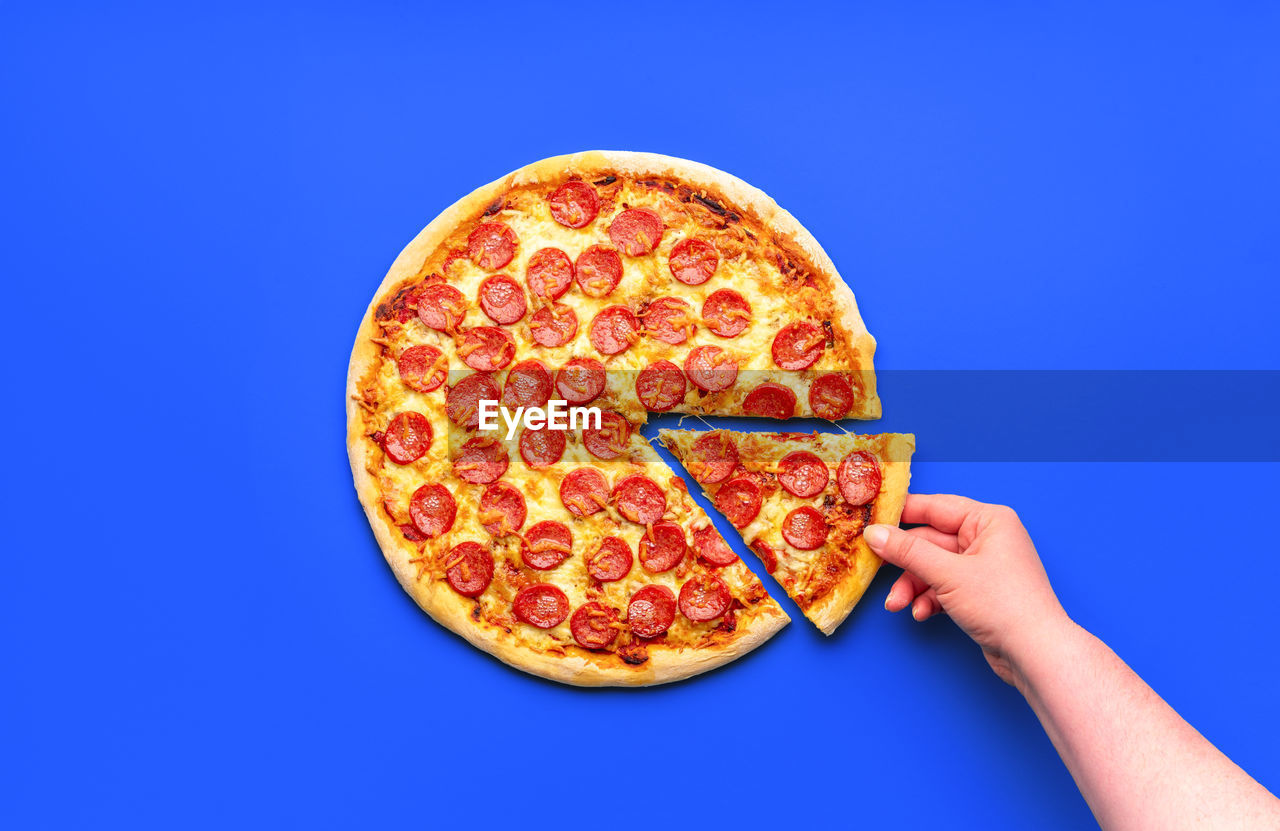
(910,552)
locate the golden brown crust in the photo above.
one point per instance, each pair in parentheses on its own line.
(832,610)
(571,664)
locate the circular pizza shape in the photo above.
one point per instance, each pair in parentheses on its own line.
(632,282)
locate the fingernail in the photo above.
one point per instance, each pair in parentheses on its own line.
(876,536)
(887,598)
(916,612)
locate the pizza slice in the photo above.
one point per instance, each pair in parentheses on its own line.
(801,502)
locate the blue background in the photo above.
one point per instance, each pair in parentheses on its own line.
(199,201)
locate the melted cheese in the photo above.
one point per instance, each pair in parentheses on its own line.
(774,303)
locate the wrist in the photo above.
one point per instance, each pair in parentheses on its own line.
(1040,643)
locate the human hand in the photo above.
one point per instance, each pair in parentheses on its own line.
(975,562)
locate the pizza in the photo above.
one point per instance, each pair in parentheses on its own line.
(627,283)
(801,502)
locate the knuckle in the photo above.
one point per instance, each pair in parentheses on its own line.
(1004,512)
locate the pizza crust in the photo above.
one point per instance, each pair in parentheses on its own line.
(828,614)
(451,610)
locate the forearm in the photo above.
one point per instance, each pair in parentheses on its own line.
(1137,762)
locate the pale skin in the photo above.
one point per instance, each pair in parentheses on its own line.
(1138,764)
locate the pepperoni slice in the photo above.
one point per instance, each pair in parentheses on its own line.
(549,273)
(639,499)
(407,438)
(613,330)
(598,270)
(469,568)
(432,510)
(710,368)
(766,554)
(693,261)
(726,313)
(770,400)
(799,345)
(542,605)
(739,500)
(554,325)
(412,534)
(574,204)
(660,386)
(546,545)
(859,477)
(581,381)
(652,611)
(805,528)
(610,439)
(487,348)
(502,299)
(480,461)
(502,509)
(831,396)
(669,320)
(662,547)
(442,307)
(528,385)
(704,597)
(611,561)
(542,447)
(636,231)
(491,245)
(592,626)
(584,491)
(712,457)
(462,402)
(803,474)
(712,547)
(416,365)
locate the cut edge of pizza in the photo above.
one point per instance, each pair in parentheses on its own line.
(801,501)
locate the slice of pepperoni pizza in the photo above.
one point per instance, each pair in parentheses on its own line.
(801,502)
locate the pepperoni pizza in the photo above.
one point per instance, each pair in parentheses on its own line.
(801,502)
(629,282)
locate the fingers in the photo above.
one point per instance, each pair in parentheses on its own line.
(904,590)
(941,510)
(911,552)
(926,606)
(948,541)
(910,590)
